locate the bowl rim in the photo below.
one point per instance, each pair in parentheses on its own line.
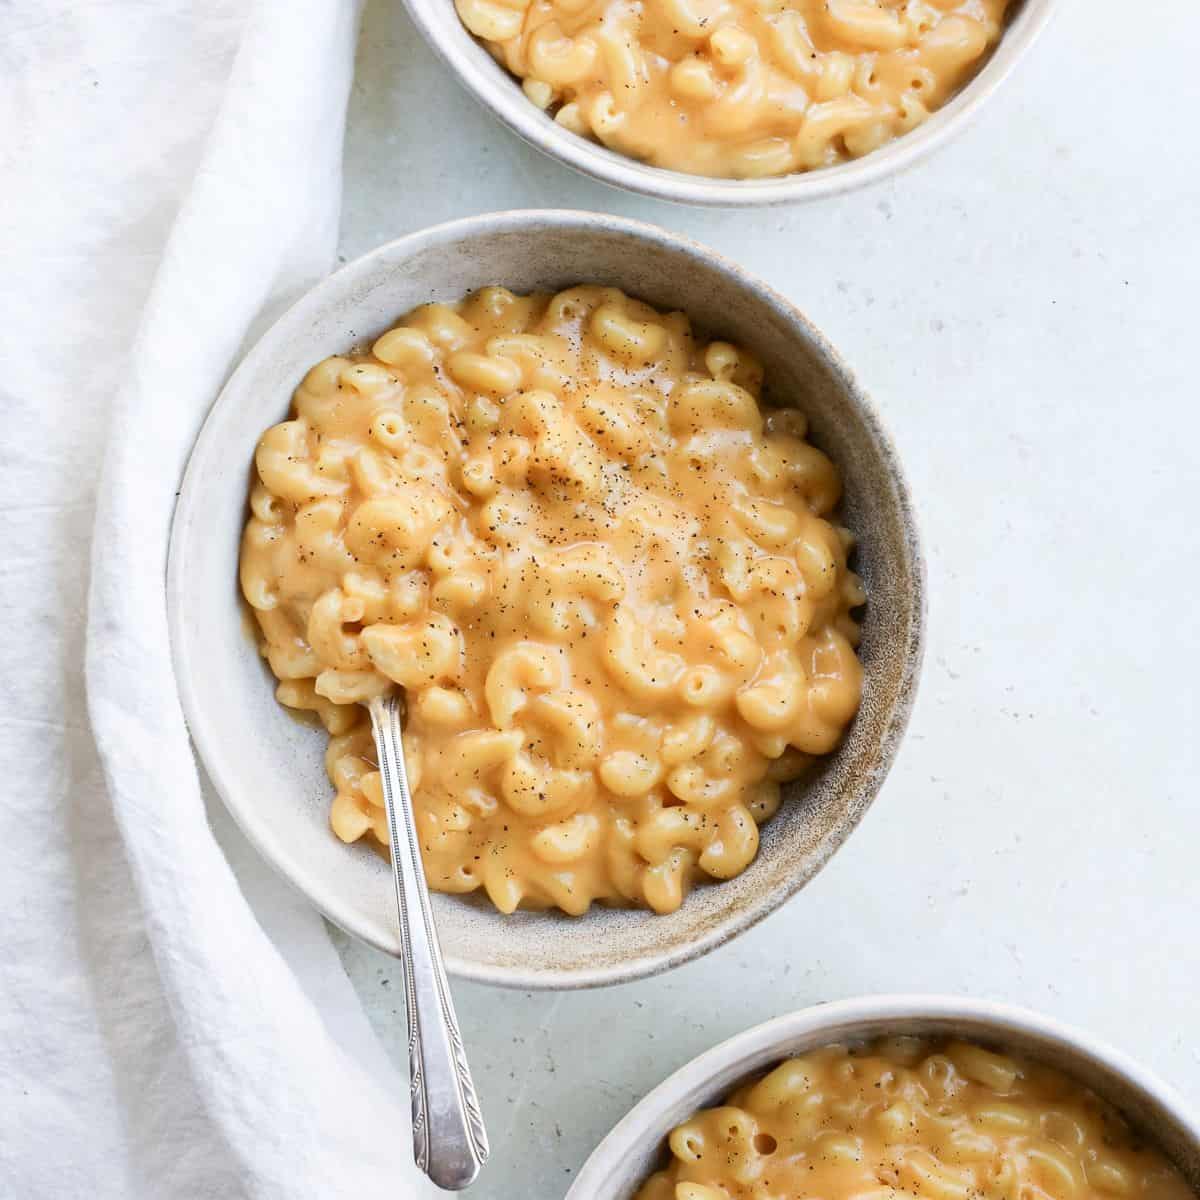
(629,1136)
(492,88)
(260,832)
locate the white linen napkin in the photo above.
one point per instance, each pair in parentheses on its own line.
(168,1029)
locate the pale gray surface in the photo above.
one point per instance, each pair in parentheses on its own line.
(1022,307)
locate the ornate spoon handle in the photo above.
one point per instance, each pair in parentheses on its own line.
(449,1141)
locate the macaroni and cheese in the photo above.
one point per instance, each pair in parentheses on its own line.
(741,88)
(908,1119)
(605,579)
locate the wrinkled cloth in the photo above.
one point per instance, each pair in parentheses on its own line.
(174,1021)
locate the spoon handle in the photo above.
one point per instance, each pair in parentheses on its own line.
(449,1141)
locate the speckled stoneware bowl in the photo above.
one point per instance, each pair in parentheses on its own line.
(636,1147)
(498,91)
(268,767)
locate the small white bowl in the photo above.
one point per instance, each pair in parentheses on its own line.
(498,91)
(268,767)
(635,1148)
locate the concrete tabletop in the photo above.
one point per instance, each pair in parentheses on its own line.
(1023,307)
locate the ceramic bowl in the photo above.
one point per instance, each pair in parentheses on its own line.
(498,91)
(267,766)
(635,1148)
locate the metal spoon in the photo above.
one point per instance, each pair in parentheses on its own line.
(449,1141)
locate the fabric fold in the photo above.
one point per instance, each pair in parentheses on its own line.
(303,1116)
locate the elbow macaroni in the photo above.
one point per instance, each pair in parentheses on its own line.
(911,1119)
(605,578)
(739,88)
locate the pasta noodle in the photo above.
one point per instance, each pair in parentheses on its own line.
(605,578)
(905,1119)
(739,88)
